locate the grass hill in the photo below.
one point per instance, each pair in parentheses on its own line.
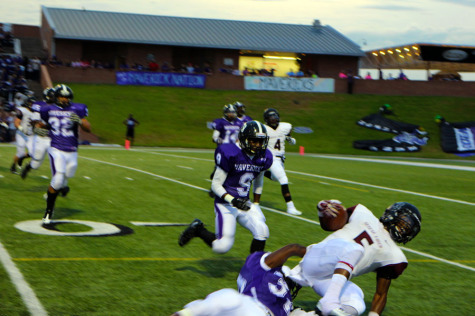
(176,117)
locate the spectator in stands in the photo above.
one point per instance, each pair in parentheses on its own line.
(207,69)
(342,75)
(36,65)
(300,73)
(166,67)
(245,72)
(153,66)
(351,81)
(291,73)
(368,76)
(190,69)
(402,76)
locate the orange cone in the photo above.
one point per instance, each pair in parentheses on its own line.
(127,144)
(302,150)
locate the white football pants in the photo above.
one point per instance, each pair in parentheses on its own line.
(225,223)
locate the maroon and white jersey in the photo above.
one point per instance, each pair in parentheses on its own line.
(381,253)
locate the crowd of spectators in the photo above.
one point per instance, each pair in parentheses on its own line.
(14,90)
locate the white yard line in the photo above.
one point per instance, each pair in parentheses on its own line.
(298,217)
(23,288)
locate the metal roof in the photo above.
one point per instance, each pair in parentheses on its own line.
(196,32)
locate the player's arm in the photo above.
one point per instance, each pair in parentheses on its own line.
(279,257)
(258,187)
(85,125)
(217,182)
(216,138)
(380,297)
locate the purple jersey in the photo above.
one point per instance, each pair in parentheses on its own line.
(244,119)
(240,167)
(228,131)
(267,285)
(63,133)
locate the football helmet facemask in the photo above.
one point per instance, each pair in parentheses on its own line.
(403,221)
(253,138)
(272,117)
(63,95)
(229,112)
(48,95)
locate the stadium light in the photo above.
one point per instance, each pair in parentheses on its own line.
(279,57)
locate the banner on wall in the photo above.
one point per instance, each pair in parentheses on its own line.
(326,85)
(163,79)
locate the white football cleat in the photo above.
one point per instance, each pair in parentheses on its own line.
(334,312)
(47,218)
(294,211)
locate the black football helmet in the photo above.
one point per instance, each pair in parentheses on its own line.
(48,95)
(272,117)
(240,108)
(63,95)
(253,137)
(29,102)
(229,112)
(403,221)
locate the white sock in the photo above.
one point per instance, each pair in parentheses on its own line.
(290,205)
(331,299)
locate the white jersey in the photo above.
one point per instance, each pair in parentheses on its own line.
(379,248)
(277,138)
(27,117)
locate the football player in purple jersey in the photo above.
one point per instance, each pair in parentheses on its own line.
(237,166)
(225,131)
(241,112)
(62,119)
(364,244)
(226,128)
(263,289)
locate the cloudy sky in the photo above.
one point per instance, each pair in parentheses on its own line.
(369,23)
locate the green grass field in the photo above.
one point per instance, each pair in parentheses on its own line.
(176,117)
(145,272)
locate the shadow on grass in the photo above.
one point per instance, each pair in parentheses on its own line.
(216,268)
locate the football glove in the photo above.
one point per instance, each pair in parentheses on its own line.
(40,131)
(290,140)
(75,118)
(241,204)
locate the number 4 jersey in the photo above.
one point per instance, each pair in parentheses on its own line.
(381,253)
(64,132)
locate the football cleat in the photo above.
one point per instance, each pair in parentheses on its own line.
(64,191)
(190,232)
(294,211)
(25,171)
(334,312)
(13,169)
(47,218)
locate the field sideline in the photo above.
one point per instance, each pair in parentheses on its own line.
(176,171)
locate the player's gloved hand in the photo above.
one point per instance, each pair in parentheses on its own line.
(75,118)
(328,207)
(40,131)
(290,140)
(241,204)
(218,140)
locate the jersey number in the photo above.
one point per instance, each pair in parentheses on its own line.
(61,126)
(363,235)
(277,144)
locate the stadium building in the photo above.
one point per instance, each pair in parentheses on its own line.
(222,45)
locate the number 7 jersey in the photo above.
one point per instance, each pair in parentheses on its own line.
(381,253)
(63,132)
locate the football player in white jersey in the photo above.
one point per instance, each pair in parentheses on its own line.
(23,123)
(279,133)
(39,143)
(364,244)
